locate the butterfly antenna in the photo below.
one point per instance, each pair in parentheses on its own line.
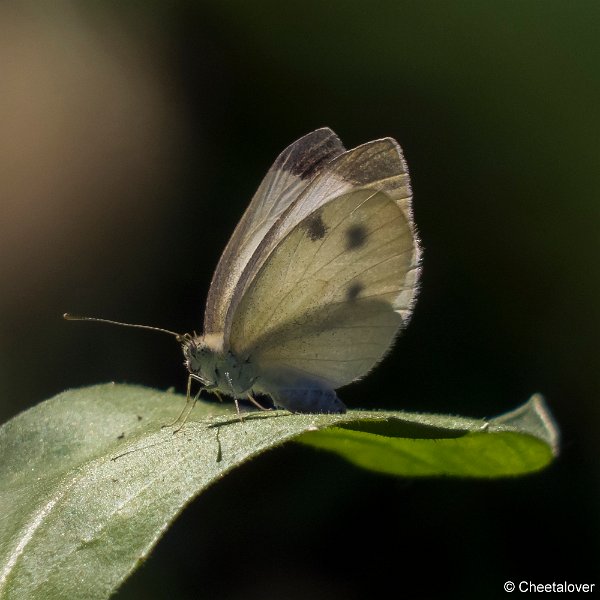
(70,317)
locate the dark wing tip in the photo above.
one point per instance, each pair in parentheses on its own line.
(307,155)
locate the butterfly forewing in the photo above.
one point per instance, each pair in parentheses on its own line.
(329,299)
(286,179)
(377,165)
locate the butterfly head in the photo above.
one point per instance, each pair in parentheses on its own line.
(201,357)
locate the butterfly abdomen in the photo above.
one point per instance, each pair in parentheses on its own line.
(309,397)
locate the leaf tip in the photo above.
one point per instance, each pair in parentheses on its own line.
(533,417)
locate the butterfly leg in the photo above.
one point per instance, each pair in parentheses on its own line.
(187,409)
(237,409)
(257,404)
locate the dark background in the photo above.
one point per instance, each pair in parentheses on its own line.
(133,135)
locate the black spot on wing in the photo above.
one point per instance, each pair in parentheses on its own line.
(315,226)
(356,236)
(354,290)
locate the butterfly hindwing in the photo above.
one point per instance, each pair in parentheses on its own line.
(328,301)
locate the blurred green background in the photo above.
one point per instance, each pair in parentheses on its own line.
(134,135)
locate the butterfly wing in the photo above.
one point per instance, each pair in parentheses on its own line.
(327,303)
(284,182)
(376,165)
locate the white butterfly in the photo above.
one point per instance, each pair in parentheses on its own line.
(317,280)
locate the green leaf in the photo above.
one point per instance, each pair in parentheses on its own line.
(89,480)
(518,442)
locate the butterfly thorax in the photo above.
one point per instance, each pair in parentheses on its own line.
(216,367)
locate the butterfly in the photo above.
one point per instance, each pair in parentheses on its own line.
(317,280)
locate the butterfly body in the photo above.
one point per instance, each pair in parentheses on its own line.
(316,281)
(221,371)
(218,369)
